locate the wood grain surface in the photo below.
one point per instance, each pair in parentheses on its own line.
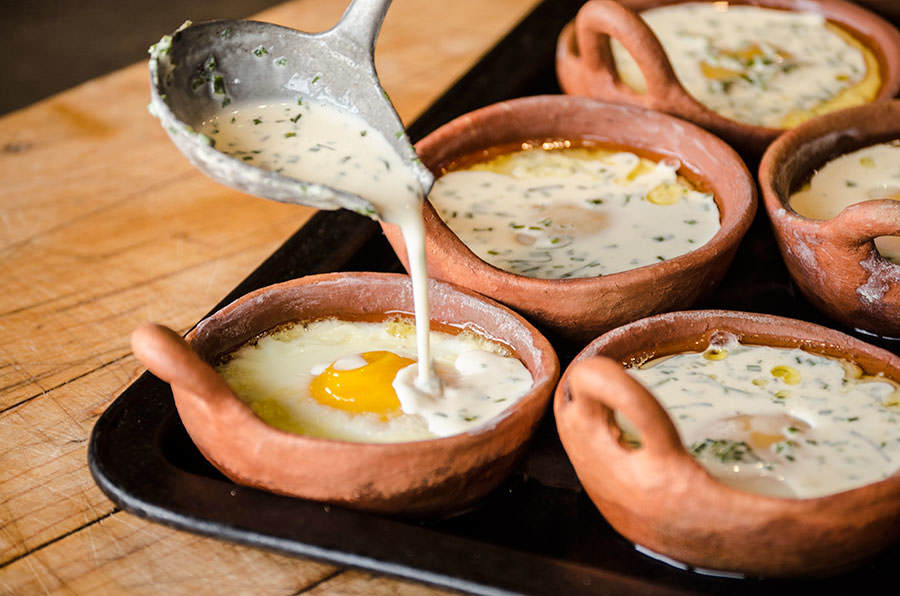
(104,225)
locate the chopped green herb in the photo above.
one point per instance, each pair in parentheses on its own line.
(725,450)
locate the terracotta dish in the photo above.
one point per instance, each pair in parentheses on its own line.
(584,63)
(415,478)
(834,262)
(580,308)
(657,495)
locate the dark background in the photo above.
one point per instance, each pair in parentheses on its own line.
(47,46)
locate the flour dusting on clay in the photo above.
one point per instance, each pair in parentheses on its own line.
(804,253)
(882,275)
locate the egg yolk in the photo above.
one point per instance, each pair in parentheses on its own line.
(367,388)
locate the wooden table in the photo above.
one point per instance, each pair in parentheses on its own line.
(104,225)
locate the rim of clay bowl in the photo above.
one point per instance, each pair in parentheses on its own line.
(789,162)
(554,303)
(666,93)
(255,452)
(696,504)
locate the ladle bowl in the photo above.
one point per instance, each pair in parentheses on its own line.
(203,68)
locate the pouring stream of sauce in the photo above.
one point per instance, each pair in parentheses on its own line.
(321,143)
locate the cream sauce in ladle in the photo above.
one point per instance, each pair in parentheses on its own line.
(320,143)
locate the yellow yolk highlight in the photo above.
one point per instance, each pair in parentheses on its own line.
(367,389)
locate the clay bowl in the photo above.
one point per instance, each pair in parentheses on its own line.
(415,478)
(581,308)
(657,495)
(834,262)
(584,63)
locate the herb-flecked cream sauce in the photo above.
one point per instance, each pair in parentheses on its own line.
(563,213)
(782,422)
(868,174)
(274,376)
(316,142)
(760,66)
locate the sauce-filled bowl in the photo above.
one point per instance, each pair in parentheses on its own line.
(415,477)
(834,261)
(581,307)
(659,496)
(725,86)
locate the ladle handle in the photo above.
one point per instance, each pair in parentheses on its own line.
(599,383)
(361,22)
(170,358)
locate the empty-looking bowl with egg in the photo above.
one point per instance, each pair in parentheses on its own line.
(298,388)
(743,70)
(832,191)
(738,442)
(579,214)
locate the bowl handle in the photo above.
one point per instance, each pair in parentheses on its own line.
(599,383)
(170,358)
(859,224)
(595,23)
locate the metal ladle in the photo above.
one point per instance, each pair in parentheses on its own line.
(201,69)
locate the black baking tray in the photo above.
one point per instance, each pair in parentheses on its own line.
(536,534)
